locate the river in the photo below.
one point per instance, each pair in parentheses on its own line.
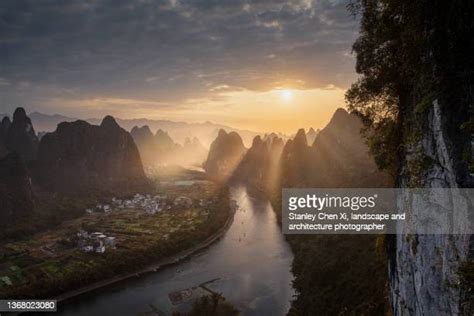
(251,263)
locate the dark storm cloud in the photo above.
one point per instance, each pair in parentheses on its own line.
(169,50)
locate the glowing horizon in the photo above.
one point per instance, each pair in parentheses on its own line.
(276,110)
(269,66)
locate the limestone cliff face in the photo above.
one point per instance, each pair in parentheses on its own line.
(80,157)
(296,162)
(16,195)
(20,136)
(424,269)
(4,126)
(193,151)
(161,148)
(259,167)
(311,135)
(164,141)
(146,144)
(225,154)
(338,157)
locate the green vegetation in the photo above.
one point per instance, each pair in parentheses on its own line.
(50,263)
(410,53)
(50,211)
(337,274)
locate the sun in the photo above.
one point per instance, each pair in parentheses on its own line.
(286,94)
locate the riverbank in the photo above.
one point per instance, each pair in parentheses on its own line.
(251,263)
(348,270)
(51,264)
(160,264)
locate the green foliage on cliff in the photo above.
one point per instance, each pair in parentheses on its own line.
(410,53)
(337,274)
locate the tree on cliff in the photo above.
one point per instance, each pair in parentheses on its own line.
(415,94)
(410,53)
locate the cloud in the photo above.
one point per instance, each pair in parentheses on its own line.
(171,50)
(4,82)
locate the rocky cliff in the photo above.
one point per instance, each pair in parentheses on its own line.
(334,274)
(20,136)
(426,270)
(80,157)
(338,157)
(311,135)
(16,197)
(161,149)
(225,154)
(193,151)
(4,127)
(163,140)
(259,167)
(146,144)
(296,162)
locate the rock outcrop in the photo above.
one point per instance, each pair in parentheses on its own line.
(311,135)
(4,127)
(193,151)
(420,105)
(146,144)
(340,155)
(259,167)
(80,157)
(296,165)
(16,196)
(338,158)
(225,154)
(426,270)
(161,149)
(254,163)
(164,141)
(20,136)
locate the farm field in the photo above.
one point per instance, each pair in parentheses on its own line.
(54,261)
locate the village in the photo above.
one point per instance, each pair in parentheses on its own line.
(115,230)
(147,203)
(98,242)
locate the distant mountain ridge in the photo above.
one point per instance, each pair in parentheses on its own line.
(259,168)
(338,157)
(18,136)
(160,149)
(80,157)
(335,156)
(206,131)
(225,154)
(311,135)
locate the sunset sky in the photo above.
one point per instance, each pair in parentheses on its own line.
(267,65)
